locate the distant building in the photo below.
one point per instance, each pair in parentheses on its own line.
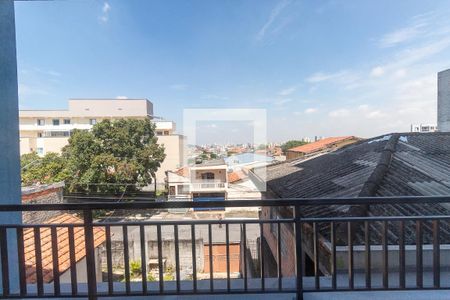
(44,131)
(423,127)
(210,181)
(207,181)
(444,101)
(323,145)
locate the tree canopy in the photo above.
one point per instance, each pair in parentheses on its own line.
(113,154)
(291,144)
(47,169)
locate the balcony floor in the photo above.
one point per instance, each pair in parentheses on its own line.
(271,283)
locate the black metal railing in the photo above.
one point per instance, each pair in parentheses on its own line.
(387,252)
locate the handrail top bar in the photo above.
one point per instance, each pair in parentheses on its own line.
(227,203)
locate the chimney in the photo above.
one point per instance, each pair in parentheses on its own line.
(444,101)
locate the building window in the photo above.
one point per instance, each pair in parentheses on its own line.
(55,122)
(66,121)
(41,122)
(172,190)
(40,150)
(208,175)
(159,133)
(59,133)
(183,189)
(39,134)
(92,121)
(166,132)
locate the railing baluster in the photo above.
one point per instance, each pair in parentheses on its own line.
(244,243)
(316,256)
(210,249)
(385,261)
(177,257)
(90,254)
(401,254)
(160,259)
(298,252)
(436,255)
(126,257)
(4,259)
(38,256)
(55,260)
(109,259)
(21,257)
(227,245)
(194,259)
(279,271)
(261,252)
(367,255)
(333,256)
(73,262)
(419,257)
(143,259)
(350,256)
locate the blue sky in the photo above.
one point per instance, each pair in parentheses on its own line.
(319,67)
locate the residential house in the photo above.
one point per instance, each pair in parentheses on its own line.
(205,181)
(211,180)
(320,146)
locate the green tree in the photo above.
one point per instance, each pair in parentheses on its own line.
(39,170)
(112,155)
(291,144)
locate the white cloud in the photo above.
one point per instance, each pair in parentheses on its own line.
(320,76)
(287,91)
(28,90)
(106,8)
(282,101)
(400,35)
(214,97)
(310,110)
(377,71)
(276,11)
(400,73)
(179,86)
(339,113)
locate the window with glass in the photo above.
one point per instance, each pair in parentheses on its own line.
(55,122)
(66,121)
(183,189)
(92,121)
(41,122)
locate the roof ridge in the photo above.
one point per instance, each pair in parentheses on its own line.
(373,182)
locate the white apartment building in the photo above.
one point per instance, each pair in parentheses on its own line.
(45,131)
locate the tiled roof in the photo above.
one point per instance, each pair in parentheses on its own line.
(184,172)
(407,164)
(63,247)
(320,145)
(236,176)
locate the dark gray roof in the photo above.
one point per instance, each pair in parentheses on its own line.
(414,164)
(406,164)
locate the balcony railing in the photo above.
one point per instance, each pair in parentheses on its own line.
(208,185)
(359,262)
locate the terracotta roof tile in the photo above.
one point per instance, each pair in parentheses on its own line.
(320,145)
(63,246)
(236,176)
(184,171)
